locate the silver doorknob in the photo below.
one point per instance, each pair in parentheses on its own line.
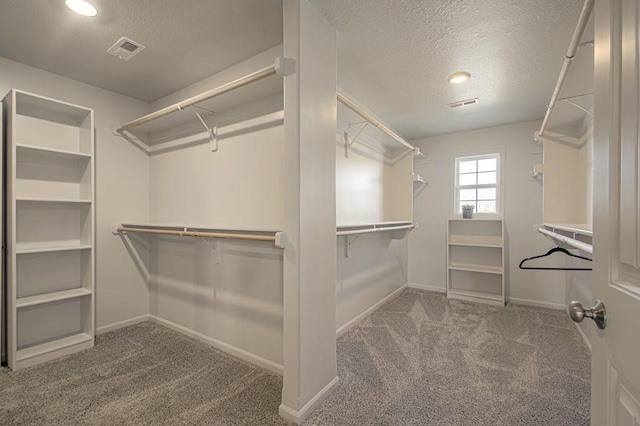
(598,313)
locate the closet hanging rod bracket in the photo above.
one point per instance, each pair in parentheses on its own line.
(285,66)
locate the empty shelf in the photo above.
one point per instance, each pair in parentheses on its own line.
(476,268)
(475,294)
(475,241)
(26,248)
(23,302)
(56,345)
(52,152)
(52,200)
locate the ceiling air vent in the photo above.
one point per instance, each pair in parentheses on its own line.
(125,48)
(464,103)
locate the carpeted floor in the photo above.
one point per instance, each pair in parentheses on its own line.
(142,375)
(418,360)
(424,360)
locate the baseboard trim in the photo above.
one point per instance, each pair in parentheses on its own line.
(538,304)
(225,347)
(584,336)
(298,417)
(121,324)
(355,321)
(428,288)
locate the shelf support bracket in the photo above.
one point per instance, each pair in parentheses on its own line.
(349,239)
(213,131)
(348,144)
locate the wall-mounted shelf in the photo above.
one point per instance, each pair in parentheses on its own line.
(577,236)
(375,227)
(50,228)
(475,260)
(276,237)
(363,127)
(253,95)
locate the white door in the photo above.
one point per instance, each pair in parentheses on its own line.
(615,387)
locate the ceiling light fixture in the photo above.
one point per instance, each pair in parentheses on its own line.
(459,77)
(81,7)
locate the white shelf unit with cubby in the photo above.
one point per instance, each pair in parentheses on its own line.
(475,260)
(50,181)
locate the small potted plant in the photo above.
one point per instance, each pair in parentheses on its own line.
(467,211)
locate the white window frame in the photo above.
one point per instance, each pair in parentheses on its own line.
(499,155)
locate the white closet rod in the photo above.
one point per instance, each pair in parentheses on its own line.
(568,58)
(222,235)
(374,229)
(227,87)
(373,121)
(567,240)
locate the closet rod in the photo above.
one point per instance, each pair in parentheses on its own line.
(227,87)
(370,230)
(373,121)
(568,58)
(198,234)
(567,240)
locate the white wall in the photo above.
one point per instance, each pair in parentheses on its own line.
(377,264)
(122,183)
(523,210)
(580,283)
(234,298)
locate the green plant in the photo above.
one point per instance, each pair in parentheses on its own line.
(468,207)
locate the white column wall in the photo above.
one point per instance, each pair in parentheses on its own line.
(310,211)
(122,187)
(523,210)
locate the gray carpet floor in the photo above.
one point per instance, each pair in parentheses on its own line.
(422,359)
(418,360)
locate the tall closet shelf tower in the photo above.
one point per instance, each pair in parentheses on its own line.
(475,260)
(50,269)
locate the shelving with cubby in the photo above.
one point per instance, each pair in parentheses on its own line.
(50,228)
(475,260)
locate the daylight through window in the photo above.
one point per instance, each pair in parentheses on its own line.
(477,183)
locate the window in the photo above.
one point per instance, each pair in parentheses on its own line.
(477,182)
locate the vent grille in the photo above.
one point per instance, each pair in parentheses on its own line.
(466,102)
(125,48)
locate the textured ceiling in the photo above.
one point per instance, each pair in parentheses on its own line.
(394,55)
(185,40)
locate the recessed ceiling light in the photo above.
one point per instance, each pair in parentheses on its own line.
(82,7)
(459,77)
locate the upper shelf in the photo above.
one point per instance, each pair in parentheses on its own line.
(253,95)
(570,109)
(361,126)
(48,109)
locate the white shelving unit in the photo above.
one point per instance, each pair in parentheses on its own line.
(475,260)
(50,228)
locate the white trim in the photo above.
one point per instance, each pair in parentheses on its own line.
(349,325)
(427,287)
(538,304)
(225,347)
(584,336)
(121,324)
(298,417)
